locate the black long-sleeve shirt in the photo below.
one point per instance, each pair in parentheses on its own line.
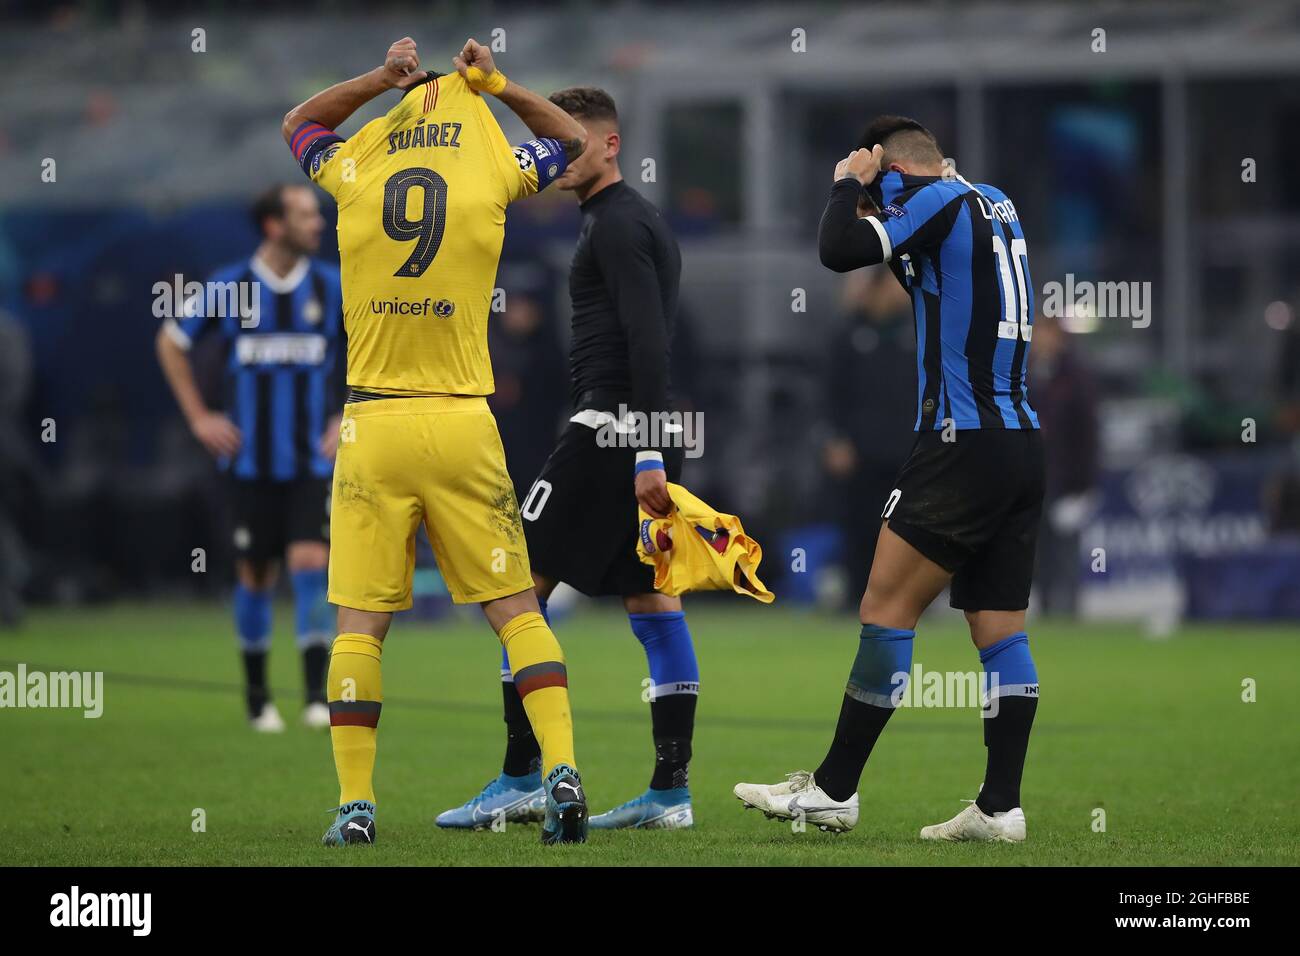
(624,285)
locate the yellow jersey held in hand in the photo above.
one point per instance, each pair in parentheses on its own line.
(698,549)
(422,195)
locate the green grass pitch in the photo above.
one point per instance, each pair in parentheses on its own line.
(1154,733)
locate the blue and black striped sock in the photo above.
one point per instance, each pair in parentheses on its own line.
(878,677)
(315,632)
(674,691)
(1012,688)
(253,625)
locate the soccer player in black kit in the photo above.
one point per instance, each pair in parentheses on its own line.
(964,512)
(580,516)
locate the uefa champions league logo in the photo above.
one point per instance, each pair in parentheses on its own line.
(1171,484)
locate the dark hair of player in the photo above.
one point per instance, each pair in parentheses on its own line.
(268,205)
(904,140)
(586,102)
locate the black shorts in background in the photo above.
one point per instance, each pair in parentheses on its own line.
(267,515)
(972,506)
(580,515)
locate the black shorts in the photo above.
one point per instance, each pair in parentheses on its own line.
(580,515)
(267,515)
(972,505)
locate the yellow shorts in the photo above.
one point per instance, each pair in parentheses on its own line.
(438,460)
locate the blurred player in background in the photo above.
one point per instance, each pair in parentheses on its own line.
(965,508)
(581,513)
(422,194)
(869,365)
(531,374)
(278,435)
(1065,397)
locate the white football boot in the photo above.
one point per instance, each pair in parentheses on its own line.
(974,824)
(268,721)
(316,716)
(799,798)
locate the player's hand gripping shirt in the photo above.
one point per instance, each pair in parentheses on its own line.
(698,549)
(422,195)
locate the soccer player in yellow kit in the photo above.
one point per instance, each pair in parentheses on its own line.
(422,194)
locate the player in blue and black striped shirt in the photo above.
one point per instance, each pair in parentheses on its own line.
(964,512)
(277,436)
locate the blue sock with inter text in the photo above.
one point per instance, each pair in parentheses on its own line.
(674,691)
(1011,686)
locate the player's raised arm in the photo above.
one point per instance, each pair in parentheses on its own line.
(848,240)
(309,127)
(845,240)
(543,118)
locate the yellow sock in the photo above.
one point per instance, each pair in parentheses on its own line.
(542,681)
(356,695)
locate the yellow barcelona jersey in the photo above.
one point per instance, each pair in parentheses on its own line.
(422,195)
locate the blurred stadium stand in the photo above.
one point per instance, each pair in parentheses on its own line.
(1125,166)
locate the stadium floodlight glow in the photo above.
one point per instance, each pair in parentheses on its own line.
(1080,320)
(1279,315)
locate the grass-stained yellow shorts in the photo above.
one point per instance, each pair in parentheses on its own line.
(437,460)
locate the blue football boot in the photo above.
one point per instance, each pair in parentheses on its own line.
(354,824)
(566,807)
(509,799)
(653,810)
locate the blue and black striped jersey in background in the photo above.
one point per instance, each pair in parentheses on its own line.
(285,375)
(959,251)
